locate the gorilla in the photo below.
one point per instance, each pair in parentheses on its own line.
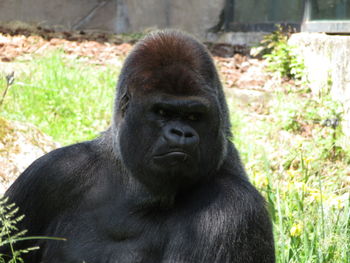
(164,183)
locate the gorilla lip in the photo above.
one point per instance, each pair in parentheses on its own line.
(172,157)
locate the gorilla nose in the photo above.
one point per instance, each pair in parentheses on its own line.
(183,136)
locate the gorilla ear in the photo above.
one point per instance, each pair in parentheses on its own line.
(124,102)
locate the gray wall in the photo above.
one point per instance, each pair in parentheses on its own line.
(117,16)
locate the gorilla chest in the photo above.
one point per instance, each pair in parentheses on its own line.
(114,235)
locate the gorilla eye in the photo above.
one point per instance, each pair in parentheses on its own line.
(193,117)
(162,112)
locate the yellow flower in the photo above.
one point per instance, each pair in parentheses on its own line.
(260,180)
(315,194)
(292,173)
(296,229)
(308,160)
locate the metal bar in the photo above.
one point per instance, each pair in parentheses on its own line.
(307,11)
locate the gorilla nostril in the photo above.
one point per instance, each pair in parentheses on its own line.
(181,133)
(177,132)
(180,136)
(189,134)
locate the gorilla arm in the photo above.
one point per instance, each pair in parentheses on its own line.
(252,236)
(49,186)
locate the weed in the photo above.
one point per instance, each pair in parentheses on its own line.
(9,233)
(282,58)
(9,81)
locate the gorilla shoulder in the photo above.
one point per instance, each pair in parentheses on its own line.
(61,173)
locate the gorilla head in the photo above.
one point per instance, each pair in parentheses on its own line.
(171,124)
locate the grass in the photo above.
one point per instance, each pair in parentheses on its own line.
(65,98)
(298,163)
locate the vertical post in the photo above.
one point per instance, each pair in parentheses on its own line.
(307,11)
(306,15)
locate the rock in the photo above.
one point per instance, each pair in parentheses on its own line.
(20,145)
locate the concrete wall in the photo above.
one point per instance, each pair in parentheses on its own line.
(117,16)
(253,11)
(194,16)
(327,61)
(46,12)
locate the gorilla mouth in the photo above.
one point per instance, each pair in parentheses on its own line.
(171,158)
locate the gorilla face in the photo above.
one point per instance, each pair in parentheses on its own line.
(171,123)
(169,136)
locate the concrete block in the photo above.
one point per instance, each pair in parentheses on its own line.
(327,62)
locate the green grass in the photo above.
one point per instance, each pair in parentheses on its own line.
(299,165)
(67,99)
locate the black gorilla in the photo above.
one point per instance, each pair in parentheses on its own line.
(163,184)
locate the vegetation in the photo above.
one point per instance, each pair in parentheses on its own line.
(298,157)
(9,233)
(292,146)
(300,164)
(282,58)
(65,98)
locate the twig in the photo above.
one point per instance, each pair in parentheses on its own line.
(10,78)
